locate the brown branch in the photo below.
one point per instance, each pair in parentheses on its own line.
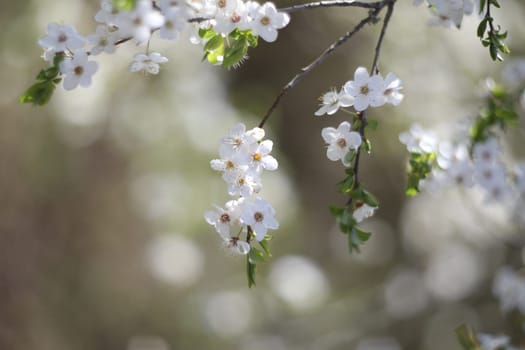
(333,3)
(305,70)
(362,116)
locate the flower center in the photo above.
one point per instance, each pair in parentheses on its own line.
(225,218)
(388,92)
(169,24)
(62,38)
(235,18)
(258,216)
(341,143)
(221,4)
(103,41)
(265,20)
(241,181)
(365,90)
(230,165)
(257,156)
(78,70)
(137,21)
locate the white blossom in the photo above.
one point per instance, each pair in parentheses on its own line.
(267,20)
(363,211)
(509,288)
(103,40)
(332,100)
(365,89)
(493,342)
(260,157)
(78,70)
(259,215)
(340,141)
(139,22)
(147,63)
(391,89)
(107,13)
(60,38)
(242,182)
(175,21)
(419,140)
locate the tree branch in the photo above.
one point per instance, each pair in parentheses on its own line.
(374,70)
(305,70)
(334,3)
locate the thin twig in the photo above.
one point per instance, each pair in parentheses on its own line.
(333,3)
(305,70)
(374,70)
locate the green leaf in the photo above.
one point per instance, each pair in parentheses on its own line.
(370,199)
(346,185)
(467,338)
(251,270)
(265,246)
(214,43)
(39,93)
(336,211)
(125,5)
(234,54)
(482,27)
(255,256)
(482,5)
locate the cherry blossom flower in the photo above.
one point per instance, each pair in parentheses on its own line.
(242,182)
(332,100)
(340,141)
(267,20)
(419,140)
(175,21)
(260,157)
(362,212)
(147,63)
(78,70)
(60,38)
(140,21)
(103,40)
(391,89)
(366,90)
(259,215)
(223,219)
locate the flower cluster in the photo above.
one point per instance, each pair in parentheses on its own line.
(363,92)
(244,157)
(168,18)
(448,13)
(455,164)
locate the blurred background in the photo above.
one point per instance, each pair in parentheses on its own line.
(103,244)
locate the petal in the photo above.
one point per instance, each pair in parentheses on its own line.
(375,83)
(70,82)
(361,76)
(329,134)
(344,127)
(353,140)
(260,231)
(361,103)
(271,223)
(321,110)
(269,163)
(265,147)
(333,153)
(211,217)
(242,247)
(345,100)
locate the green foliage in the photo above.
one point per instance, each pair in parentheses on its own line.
(47,79)
(419,168)
(229,51)
(467,338)
(256,256)
(490,34)
(499,112)
(124,5)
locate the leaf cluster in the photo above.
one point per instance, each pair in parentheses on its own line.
(47,79)
(256,256)
(490,34)
(498,112)
(227,51)
(467,338)
(124,5)
(419,168)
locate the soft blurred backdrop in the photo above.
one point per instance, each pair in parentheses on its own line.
(103,244)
